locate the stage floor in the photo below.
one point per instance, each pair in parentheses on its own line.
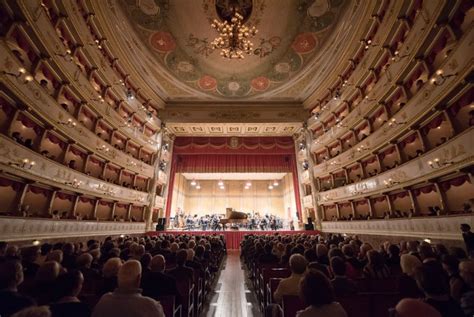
(232,237)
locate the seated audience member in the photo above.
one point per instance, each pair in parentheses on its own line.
(341,284)
(290,285)
(426,253)
(466,271)
(91,276)
(409,307)
(357,266)
(267,257)
(322,254)
(127,299)
(69,257)
(156,283)
(456,284)
(182,271)
(69,286)
(407,286)
(363,250)
(393,258)
(34,311)
(45,282)
(11,275)
(468,237)
(109,275)
(376,267)
(434,284)
(316,292)
(29,257)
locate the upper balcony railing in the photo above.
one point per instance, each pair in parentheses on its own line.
(453,155)
(17,159)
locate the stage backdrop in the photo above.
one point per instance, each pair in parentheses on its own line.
(210,199)
(233,155)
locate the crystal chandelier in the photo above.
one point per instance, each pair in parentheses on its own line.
(233,37)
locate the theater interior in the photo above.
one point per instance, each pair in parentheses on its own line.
(236,158)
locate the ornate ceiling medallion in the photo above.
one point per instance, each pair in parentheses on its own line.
(234,35)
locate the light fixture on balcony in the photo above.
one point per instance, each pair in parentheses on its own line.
(394,122)
(439,77)
(162,166)
(437,163)
(301,146)
(67,55)
(25,163)
(362,148)
(103,148)
(369,99)
(75,183)
(397,57)
(270,187)
(390,182)
(346,83)
(305,165)
(275,183)
(130,95)
(68,123)
(234,36)
(367,43)
(19,74)
(198,186)
(193,183)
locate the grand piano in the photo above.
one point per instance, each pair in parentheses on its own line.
(233,218)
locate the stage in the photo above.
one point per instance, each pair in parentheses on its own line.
(232,237)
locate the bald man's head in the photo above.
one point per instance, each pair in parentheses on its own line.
(409,307)
(130,274)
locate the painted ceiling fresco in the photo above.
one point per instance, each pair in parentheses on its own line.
(178,33)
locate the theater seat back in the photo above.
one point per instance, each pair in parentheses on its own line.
(291,305)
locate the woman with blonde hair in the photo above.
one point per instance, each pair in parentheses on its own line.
(407,286)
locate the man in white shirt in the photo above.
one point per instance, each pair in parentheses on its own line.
(290,285)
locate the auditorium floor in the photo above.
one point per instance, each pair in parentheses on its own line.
(232,296)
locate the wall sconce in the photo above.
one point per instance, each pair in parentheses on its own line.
(21,72)
(362,148)
(316,116)
(75,183)
(367,43)
(132,164)
(103,148)
(346,83)
(305,165)
(394,122)
(67,55)
(69,123)
(369,99)
(166,147)
(340,125)
(439,78)
(25,163)
(437,163)
(335,163)
(390,182)
(100,99)
(302,146)
(337,95)
(397,57)
(130,95)
(162,166)
(127,123)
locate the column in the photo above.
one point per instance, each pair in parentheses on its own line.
(13,120)
(168,169)
(442,198)
(94,212)
(414,204)
(389,203)
(104,169)
(74,206)
(129,212)
(51,202)
(338,211)
(38,144)
(113,211)
(422,140)
(22,198)
(452,126)
(379,163)
(308,139)
(86,162)
(148,217)
(371,209)
(399,154)
(353,209)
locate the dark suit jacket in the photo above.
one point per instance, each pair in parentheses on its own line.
(155,284)
(182,272)
(343,286)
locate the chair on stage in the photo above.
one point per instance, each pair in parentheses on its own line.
(169,306)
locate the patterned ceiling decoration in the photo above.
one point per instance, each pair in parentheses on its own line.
(178,34)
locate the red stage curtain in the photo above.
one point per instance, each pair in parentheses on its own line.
(233,155)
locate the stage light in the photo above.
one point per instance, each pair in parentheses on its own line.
(275,183)
(193,183)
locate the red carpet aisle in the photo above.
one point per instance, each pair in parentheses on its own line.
(232,238)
